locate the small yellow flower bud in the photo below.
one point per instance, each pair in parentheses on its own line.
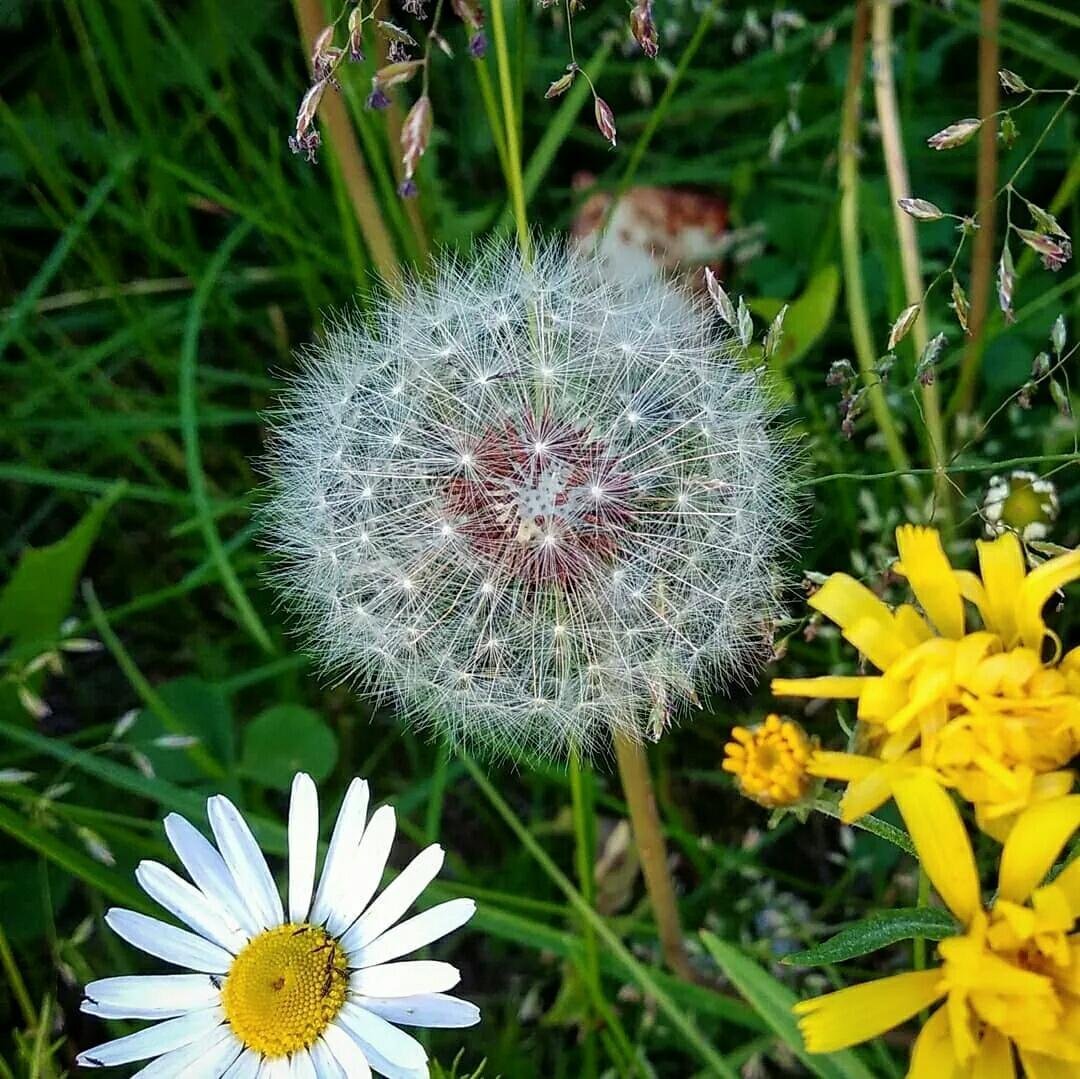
(769,761)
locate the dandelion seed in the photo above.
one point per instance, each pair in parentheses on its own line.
(552,416)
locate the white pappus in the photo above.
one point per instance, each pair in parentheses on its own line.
(532,502)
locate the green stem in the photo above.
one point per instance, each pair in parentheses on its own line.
(854,286)
(918,944)
(585,859)
(15,980)
(675,1015)
(510,128)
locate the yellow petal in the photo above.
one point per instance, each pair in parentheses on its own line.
(923,563)
(939,836)
(1068,880)
(971,588)
(932,1056)
(846,766)
(863,619)
(1036,589)
(838,687)
(1041,1066)
(994,1059)
(861,1012)
(1036,839)
(1001,564)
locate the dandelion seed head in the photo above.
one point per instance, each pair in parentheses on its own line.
(532,503)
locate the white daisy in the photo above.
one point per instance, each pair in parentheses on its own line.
(314,990)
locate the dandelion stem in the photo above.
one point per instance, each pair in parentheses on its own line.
(888,113)
(854,287)
(982,253)
(312,19)
(648,835)
(513,147)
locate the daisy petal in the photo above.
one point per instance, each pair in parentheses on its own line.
(395,1045)
(326,1066)
(405,979)
(1034,843)
(176,946)
(425,1010)
(245,860)
(366,870)
(302,1066)
(208,870)
(246,1066)
(939,836)
(152,996)
(861,1012)
(275,1068)
(349,1056)
(348,831)
(396,898)
(153,1041)
(418,932)
(303,845)
(181,1063)
(208,918)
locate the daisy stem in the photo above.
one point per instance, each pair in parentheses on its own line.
(513,148)
(637,786)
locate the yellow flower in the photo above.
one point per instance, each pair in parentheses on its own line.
(987,710)
(1012,979)
(770,761)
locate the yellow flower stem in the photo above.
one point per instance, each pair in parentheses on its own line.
(888,114)
(854,286)
(637,786)
(514,175)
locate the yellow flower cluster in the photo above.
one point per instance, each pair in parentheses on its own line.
(770,762)
(993,713)
(1010,982)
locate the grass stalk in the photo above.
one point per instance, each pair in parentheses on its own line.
(581,795)
(888,114)
(986,174)
(311,19)
(15,980)
(510,128)
(652,851)
(854,286)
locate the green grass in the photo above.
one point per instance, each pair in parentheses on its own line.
(162,255)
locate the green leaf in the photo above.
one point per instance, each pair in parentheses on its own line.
(108,881)
(878,931)
(773,1001)
(195,707)
(39,593)
(284,740)
(808,317)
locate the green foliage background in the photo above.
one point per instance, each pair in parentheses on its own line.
(161,256)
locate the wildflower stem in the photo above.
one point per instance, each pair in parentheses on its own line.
(854,287)
(581,794)
(513,147)
(311,19)
(888,113)
(982,253)
(649,836)
(15,980)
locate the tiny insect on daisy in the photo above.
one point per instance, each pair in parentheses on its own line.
(314,989)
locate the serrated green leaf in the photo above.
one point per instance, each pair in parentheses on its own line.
(773,1001)
(878,931)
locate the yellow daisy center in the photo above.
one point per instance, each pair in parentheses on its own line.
(285,988)
(770,761)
